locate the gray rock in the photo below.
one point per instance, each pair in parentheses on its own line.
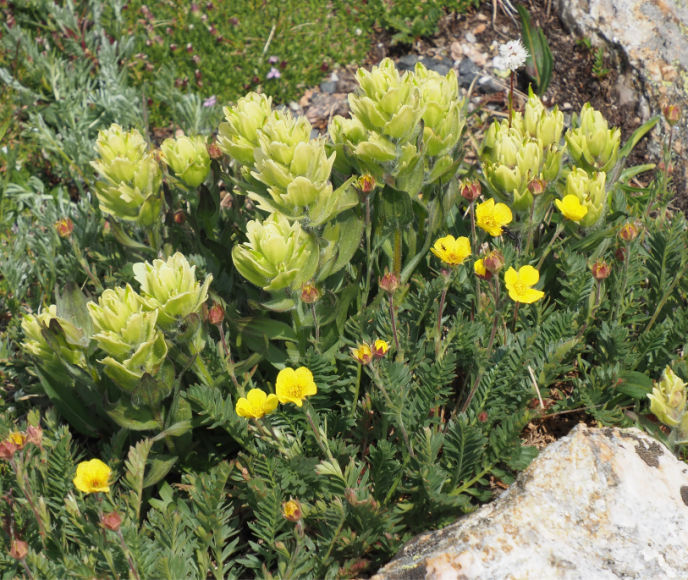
(328,87)
(468,70)
(597,504)
(650,37)
(407,62)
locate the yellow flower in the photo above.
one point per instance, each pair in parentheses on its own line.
(519,284)
(293,386)
(256,404)
(480,270)
(492,217)
(363,354)
(92,476)
(291,510)
(380,348)
(571,208)
(17,438)
(452,251)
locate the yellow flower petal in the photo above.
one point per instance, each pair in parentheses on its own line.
(92,476)
(529,275)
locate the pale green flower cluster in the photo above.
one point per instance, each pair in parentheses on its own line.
(668,404)
(287,173)
(52,339)
(188,158)
(592,144)
(405,130)
(513,156)
(129,188)
(128,327)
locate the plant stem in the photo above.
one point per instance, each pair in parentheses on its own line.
(400,420)
(357,391)
(130,561)
(531,229)
(511,97)
(474,237)
(323,446)
(392,317)
(397,252)
(438,337)
(369,260)
(548,249)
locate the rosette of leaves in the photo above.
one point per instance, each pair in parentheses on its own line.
(592,144)
(129,188)
(295,171)
(238,134)
(279,254)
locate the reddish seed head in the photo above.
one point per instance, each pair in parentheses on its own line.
(309,293)
(19,549)
(216,314)
(628,232)
(389,282)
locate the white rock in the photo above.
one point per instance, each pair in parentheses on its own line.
(597,504)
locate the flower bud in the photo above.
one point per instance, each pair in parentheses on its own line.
(537,186)
(64,227)
(18,549)
(672,114)
(214,151)
(188,158)
(389,282)
(216,314)
(480,270)
(179,217)
(620,254)
(111,521)
(494,261)
(668,398)
(471,190)
(600,270)
(7,449)
(309,293)
(628,232)
(366,183)
(34,435)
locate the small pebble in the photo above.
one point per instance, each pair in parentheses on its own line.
(470,37)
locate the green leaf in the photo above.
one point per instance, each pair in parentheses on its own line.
(539,61)
(158,467)
(637,135)
(125,415)
(634,384)
(71,305)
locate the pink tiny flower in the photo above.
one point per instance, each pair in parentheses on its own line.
(210,101)
(273,74)
(273,59)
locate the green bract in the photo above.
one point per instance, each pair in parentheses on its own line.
(296,171)
(127,333)
(188,157)
(238,135)
(593,145)
(170,287)
(590,190)
(131,177)
(67,342)
(278,254)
